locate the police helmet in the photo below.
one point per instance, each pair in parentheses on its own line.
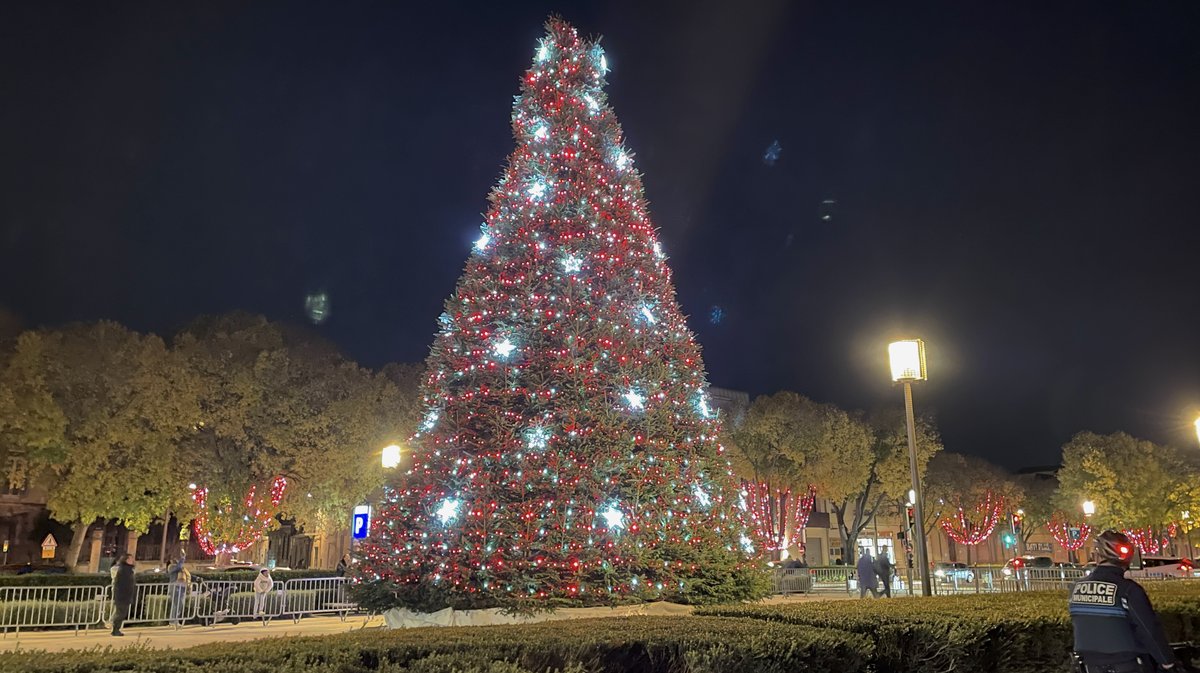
(1114,547)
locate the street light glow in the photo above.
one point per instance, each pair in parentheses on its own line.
(1089,508)
(907,359)
(1198,429)
(391,457)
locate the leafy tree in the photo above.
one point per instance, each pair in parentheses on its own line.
(1135,483)
(862,465)
(1036,495)
(97,412)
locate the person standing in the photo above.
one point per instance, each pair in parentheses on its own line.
(866,575)
(179,580)
(262,586)
(1116,628)
(124,590)
(883,569)
(343,565)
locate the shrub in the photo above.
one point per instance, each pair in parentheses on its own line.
(649,644)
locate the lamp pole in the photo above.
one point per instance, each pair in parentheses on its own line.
(908,365)
(918,503)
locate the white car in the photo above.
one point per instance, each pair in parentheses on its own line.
(950,572)
(1161,567)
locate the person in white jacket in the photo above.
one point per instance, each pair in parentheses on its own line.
(262,586)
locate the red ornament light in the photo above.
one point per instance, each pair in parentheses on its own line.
(1060,529)
(254,521)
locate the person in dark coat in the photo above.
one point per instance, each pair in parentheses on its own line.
(124,590)
(883,569)
(343,565)
(866,575)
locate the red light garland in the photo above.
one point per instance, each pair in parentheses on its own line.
(779,515)
(235,530)
(967,532)
(1147,540)
(1060,528)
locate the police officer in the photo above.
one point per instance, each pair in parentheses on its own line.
(1116,630)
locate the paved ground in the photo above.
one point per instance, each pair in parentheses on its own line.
(163,637)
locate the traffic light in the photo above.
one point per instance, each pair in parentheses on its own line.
(912,521)
(1009,539)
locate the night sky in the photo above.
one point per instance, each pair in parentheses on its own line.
(1016,185)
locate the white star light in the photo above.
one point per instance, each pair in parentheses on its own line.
(541,132)
(536,437)
(481,243)
(613,518)
(587,98)
(635,400)
(702,406)
(430,420)
(621,159)
(504,348)
(448,510)
(701,496)
(742,501)
(572,264)
(537,190)
(543,53)
(649,315)
(747,544)
(603,63)
(658,251)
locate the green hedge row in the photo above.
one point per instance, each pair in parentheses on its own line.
(642,644)
(99,579)
(989,633)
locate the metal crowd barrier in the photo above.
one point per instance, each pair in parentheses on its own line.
(53,606)
(792,581)
(208,602)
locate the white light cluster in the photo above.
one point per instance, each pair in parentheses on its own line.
(537,437)
(572,264)
(504,347)
(635,400)
(430,420)
(448,510)
(613,517)
(702,496)
(648,314)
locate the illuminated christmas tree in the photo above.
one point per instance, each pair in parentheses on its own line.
(568,454)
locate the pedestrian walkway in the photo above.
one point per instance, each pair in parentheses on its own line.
(165,637)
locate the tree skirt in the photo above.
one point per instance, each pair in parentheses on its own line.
(401,618)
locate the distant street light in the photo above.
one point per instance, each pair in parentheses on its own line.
(1089,508)
(391,457)
(907,360)
(1198,429)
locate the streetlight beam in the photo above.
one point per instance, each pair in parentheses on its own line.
(907,359)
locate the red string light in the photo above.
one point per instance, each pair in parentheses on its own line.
(1060,528)
(779,515)
(1147,539)
(966,531)
(237,529)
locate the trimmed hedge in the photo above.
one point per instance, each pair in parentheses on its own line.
(642,644)
(98,579)
(990,633)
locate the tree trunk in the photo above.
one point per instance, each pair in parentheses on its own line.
(79,531)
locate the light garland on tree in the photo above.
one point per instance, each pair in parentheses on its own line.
(1060,528)
(568,449)
(221,529)
(972,532)
(779,515)
(1147,539)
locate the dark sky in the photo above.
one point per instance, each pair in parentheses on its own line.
(1016,184)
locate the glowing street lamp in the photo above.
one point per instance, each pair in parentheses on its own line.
(391,457)
(1089,508)
(1198,429)
(907,360)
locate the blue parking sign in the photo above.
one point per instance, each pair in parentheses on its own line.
(361,523)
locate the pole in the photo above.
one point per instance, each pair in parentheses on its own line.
(918,506)
(163,552)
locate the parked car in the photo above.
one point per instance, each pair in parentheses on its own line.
(1027,562)
(952,572)
(1159,567)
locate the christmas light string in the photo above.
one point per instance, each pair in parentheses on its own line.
(1060,528)
(235,532)
(779,515)
(972,532)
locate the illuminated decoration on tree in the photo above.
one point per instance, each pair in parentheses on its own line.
(222,527)
(1147,540)
(484,239)
(448,511)
(779,515)
(613,518)
(973,531)
(504,347)
(1069,536)
(593,473)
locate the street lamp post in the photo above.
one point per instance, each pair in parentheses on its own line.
(908,365)
(1089,508)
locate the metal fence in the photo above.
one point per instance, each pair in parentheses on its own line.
(24,607)
(208,602)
